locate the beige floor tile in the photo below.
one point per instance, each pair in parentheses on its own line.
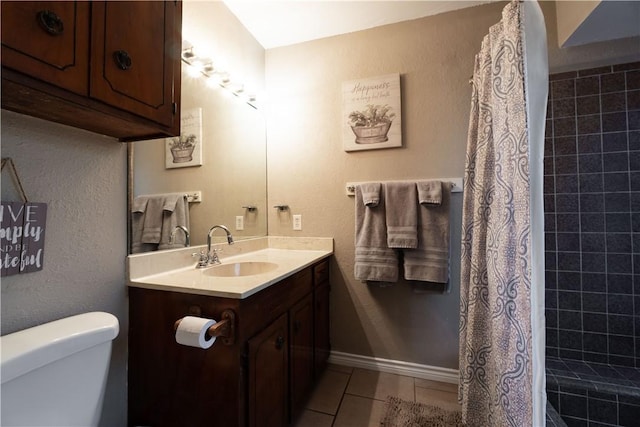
(437,385)
(379,385)
(314,419)
(356,411)
(340,368)
(441,398)
(328,392)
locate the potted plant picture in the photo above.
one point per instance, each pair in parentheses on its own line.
(182,148)
(372,111)
(372,124)
(185,150)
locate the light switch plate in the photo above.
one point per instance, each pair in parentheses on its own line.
(239,223)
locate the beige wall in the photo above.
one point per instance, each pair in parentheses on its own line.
(308,167)
(82,178)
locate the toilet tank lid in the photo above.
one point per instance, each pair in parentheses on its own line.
(32,348)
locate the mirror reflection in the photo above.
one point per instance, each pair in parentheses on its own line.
(232,177)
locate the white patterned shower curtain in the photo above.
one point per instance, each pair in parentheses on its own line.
(501,362)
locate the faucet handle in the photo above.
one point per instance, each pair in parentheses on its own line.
(203,259)
(213,256)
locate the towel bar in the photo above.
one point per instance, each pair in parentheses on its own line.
(456,184)
(191,196)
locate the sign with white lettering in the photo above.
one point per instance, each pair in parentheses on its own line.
(22,237)
(371,113)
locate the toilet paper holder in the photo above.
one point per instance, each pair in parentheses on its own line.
(223,329)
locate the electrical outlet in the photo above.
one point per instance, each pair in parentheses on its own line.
(297,222)
(239,223)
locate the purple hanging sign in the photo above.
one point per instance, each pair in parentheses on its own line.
(22,237)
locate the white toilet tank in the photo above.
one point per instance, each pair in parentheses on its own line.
(55,374)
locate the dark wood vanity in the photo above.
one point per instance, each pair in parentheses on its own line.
(109,67)
(262,377)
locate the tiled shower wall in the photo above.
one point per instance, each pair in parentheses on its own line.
(592,215)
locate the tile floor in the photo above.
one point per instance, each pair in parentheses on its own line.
(354,397)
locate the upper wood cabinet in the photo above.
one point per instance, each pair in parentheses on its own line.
(108,67)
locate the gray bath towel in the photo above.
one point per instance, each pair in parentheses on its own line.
(374,261)
(401,203)
(430,260)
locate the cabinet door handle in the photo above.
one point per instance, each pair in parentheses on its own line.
(279,342)
(122,58)
(50,22)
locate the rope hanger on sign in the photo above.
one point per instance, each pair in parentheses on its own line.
(14,175)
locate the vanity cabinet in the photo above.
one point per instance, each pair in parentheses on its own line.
(262,378)
(268,375)
(108,67)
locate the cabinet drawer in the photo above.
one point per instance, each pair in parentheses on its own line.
(321,272)
(49,41)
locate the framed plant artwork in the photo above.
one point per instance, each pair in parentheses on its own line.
(186,150)
(371,113)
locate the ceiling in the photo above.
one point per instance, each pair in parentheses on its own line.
(277,23)
(599,24)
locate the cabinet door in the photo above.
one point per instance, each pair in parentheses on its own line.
(49,41)
(268,376)
(301,352)
(322,343)
(135,57)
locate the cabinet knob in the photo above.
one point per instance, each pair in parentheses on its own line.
(50,22)
(279,342)
(122,58)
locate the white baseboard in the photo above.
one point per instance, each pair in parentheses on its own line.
(398,367)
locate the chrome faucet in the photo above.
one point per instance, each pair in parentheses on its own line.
(187,238)
(213,255)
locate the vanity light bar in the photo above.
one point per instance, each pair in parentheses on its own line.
(205,67)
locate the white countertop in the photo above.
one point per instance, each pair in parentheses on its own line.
(186,278)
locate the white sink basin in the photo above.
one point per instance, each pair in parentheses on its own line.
(239,269)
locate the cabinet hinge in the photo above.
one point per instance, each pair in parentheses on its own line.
(175,108)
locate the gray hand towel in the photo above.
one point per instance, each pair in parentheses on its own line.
(429,192)
(371,193)
(138,213)
(374,261)
(152,228)
(430,260)
(401,202)
(176,212)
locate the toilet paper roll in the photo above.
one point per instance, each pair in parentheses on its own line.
(192,331)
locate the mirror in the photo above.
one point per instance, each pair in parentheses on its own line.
(233,171)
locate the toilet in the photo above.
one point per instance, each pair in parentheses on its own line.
(55,374)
